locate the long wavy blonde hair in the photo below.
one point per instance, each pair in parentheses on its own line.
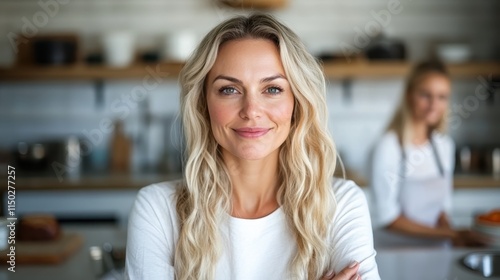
(401,122)
(307,158)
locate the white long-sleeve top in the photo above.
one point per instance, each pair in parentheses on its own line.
(422,193)
(255,249)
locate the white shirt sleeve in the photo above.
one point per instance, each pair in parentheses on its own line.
(385,180)
(149,246)
(352,234)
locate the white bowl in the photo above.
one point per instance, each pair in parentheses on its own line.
(454,53)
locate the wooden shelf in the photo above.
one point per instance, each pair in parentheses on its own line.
(459,181)
(475,181)
(90,72)
(387,69)
(357,69)
(93,182)
(255,4)
(333,70)
(135,182)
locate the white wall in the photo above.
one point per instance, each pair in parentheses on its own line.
(323,24)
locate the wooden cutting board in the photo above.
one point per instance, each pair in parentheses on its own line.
(45,252)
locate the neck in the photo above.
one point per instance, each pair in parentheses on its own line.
(254,185)
(420,132)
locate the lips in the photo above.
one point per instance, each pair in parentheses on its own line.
(252,132)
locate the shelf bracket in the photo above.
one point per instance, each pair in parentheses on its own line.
(347,90)
(99,93)
(493,86)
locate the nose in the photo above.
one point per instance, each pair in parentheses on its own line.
(433,101)
(250,107)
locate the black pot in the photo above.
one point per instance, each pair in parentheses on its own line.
(31,157)
(386,49)
(54,52)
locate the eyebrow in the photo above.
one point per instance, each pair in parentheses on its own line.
(237,81)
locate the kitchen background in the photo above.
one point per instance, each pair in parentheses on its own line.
(36,110)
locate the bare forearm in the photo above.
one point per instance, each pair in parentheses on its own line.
(407,226)
(443,221)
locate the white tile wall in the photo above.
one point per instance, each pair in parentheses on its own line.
(44,110)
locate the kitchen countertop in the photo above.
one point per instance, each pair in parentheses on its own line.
(425,264)
(394,264)
(76,267)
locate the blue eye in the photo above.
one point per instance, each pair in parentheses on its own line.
(228,90)
(274,90)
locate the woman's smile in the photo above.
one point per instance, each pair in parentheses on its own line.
(251,132)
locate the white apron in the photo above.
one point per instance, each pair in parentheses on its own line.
(424,211)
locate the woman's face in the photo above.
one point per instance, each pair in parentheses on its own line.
(429,98)
(249,99)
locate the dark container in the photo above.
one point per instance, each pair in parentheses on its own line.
(54,52)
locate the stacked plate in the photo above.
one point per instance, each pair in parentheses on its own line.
(489,224)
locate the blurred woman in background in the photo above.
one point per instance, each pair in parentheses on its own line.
(412,165)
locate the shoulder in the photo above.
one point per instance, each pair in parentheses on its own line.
(158,196)
(443,140)
(350,200)
(154,209)
(388,143)
(162,189)
(346,190)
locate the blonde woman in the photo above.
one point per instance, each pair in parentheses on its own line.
(412,166)
(257,200)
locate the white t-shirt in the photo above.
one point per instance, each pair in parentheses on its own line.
(422,193)
(256,249)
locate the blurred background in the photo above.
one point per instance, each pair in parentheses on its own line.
(89,99)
